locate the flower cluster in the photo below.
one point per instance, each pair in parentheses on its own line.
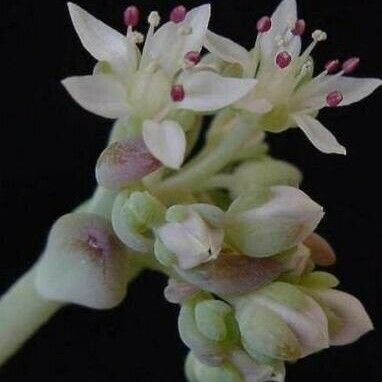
(231,227)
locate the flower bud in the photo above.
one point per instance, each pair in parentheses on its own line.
(211,352)
(232,274)
(196,371)
(123,162)
(190,237)
(280,321)
(265,173)
(134,215)
(348,320)
(84,263)
(262,224)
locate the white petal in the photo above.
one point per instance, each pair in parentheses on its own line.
(353,90)
(166,141)
(101,41)
(167,40)
(192,240)
(284,15)
(100,94)
(228,51)
(352,313)
(208,91)
(318,134)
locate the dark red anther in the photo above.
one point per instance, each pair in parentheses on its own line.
(264,24)
(334,98)
(177,93)
(283,59)
(299,27)
(178,14)
(332,66)
(350,65)
(131,16)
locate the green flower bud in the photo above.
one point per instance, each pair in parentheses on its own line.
(263,331)
(197,371)
(133,217)
(208,350)
(210,319)
(265,173)
(281,321)
(264,223)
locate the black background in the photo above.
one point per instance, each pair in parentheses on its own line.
(49,146)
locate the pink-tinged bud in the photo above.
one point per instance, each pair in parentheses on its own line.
(321,251)
(178,14)
(232,274)
(131,16)
(283,59)
(264,24)
(124,161)
(334,98)
(84,263)
(177,292)
(192,58)
(299,28)
(332,66)
(177,93)
(350,65)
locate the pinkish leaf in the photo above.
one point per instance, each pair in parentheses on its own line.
(125,161)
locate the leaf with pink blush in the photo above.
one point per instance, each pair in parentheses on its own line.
(84,263)
(123,162)
(232,274)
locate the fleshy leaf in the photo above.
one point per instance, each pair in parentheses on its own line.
(123,162)
(84,263)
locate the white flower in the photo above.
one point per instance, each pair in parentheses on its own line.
(163,78)
(190,237)
(286,94)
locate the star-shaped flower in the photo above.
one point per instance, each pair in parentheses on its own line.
(149,85)
(287,94)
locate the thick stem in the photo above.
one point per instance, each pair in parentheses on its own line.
(22,312)
(191,177)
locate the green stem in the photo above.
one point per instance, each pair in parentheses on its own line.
(22,312)
(193,175)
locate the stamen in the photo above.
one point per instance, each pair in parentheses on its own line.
(350,65)
(283,59)
(131,16)
(137,37)
(154,19)
(177,93)
(178,14)
(319,35)
(299,28)
(334,98)
(192,58)
(264,24)
(332,66)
